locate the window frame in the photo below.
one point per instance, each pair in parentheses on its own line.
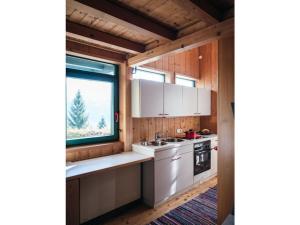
(114,79)
(185,78)
(150,71)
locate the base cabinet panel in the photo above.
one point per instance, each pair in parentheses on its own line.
(185,173)
(214,161)
(72,202)
(165,177)
(104,192)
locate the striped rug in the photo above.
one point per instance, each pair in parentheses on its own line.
(201,210)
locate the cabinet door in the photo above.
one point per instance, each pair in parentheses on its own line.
(151,98)
(165,178)
(172,100)
(204,98)
(214,161)
(189,99)
(72,202)
(185,174)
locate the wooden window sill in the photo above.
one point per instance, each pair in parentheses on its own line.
(79,153)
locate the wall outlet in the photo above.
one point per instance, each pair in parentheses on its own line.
(179,130)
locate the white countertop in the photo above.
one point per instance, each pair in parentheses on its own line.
(171,144)
(86,167)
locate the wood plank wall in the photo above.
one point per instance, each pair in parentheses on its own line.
(185,63)
(225,129)
(209,79)
(93,151)
(146,127)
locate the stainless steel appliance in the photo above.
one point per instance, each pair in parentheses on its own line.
(202,157)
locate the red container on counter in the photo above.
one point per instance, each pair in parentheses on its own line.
(191,134)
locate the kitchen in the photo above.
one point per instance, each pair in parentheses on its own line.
(153,137)
(135,112)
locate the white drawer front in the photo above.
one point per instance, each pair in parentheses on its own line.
(168,153)
(185,149)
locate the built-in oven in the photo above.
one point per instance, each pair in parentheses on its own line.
(202,157)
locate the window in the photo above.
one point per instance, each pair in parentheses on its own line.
(146,74)
(92,101)
(185,81)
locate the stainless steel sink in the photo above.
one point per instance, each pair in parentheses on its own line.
(174,140)
(158,143)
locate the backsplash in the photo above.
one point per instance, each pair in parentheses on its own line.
(146,127)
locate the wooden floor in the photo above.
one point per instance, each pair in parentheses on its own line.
(142,215)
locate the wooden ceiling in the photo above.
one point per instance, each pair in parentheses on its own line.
(131,27)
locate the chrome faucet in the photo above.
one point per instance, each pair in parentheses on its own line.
(157,136)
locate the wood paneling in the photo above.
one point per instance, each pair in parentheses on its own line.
(93,151)
(175,13)
(225,129)
(142,23)
(72,202)
(196,39)
(209,80)
(195,11)
(146,127)
(94,52)
(125,107)
(90,34)
(85,15)
(184,63)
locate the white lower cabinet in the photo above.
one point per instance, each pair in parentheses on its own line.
(214,156)
(167,176)
(103,192)
(214,162)
(185,174)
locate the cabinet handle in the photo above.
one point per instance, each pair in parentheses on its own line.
(176,158)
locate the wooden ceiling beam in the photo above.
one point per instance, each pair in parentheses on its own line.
(229,13)
(209,9)
(108,40)
(196,11)
(132,19)
(94,52)
(196,39)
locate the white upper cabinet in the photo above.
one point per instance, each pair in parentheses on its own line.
(189,97)
(204,102)
(147,98)
(173,100)
(157,99)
